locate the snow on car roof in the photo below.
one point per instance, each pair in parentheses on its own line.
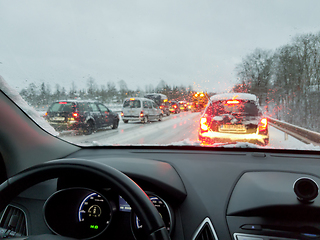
(240,96)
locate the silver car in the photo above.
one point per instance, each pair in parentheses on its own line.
(140,109)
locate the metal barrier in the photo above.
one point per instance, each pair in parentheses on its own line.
(303,134)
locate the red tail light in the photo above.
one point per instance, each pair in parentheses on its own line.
(204,124)
(161,107)
(62,102)
(141,114)
(263,124)
(175,106)
(75,114)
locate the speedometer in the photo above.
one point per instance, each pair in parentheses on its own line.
(94,212)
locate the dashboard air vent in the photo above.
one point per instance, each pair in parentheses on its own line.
(205,231)
(20,219)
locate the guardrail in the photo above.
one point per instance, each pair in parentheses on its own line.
(303,134)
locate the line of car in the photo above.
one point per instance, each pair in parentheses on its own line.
(226,118)
(88,116)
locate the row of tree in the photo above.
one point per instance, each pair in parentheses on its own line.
(287,80)
(109,93)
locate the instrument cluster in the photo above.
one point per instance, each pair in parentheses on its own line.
(84,213)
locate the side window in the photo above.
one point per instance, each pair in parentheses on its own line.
(154,105)
(94,107)
(145,104)
(83,107)
(149,104)
(103,108)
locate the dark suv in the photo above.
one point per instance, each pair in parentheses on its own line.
(233,117)
(81,115)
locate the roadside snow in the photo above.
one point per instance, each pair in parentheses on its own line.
(30,111)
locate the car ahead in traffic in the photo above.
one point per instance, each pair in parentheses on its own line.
(174,107)
(183,105)
(140,109)
(87,116)
(233,117)
(161,100)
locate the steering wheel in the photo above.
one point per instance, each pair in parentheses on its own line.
(135,196)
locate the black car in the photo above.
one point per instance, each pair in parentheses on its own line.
(81,115)
(233,117)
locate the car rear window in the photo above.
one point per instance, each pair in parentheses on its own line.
(229,107)
(62,107)
(132,104)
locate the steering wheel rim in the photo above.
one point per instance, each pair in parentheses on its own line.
(134,195)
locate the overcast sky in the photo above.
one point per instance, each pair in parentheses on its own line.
(195,43)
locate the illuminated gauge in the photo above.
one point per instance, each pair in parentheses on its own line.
(94,212)
(77,213)
(164,211)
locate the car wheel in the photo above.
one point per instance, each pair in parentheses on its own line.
(125,121)
(89,128)
(134,195)
(160,118)
(145,119)
(115,124)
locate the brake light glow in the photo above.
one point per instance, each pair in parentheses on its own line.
(121,114)
(175,106)
(263,124)
(132,99)
(75,114)
(233,102)
(161,107)
(62,102)
(141,114)
(203,124)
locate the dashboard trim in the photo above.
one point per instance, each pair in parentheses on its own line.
(205,221)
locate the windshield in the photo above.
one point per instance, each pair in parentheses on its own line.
(203,73)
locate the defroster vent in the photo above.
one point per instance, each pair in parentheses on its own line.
(12,212)
(205,231)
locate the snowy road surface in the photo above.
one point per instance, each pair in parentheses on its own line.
(176,129)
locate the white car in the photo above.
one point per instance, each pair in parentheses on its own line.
(140,109)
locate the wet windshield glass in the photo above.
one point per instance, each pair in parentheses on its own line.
(162,73)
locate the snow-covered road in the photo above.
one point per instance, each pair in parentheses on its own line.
(177,129)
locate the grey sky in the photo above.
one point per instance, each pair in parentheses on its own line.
(186,42)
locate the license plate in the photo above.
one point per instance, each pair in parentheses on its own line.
(232,127)
(57,118)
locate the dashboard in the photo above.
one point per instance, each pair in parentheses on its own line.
(222,194)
